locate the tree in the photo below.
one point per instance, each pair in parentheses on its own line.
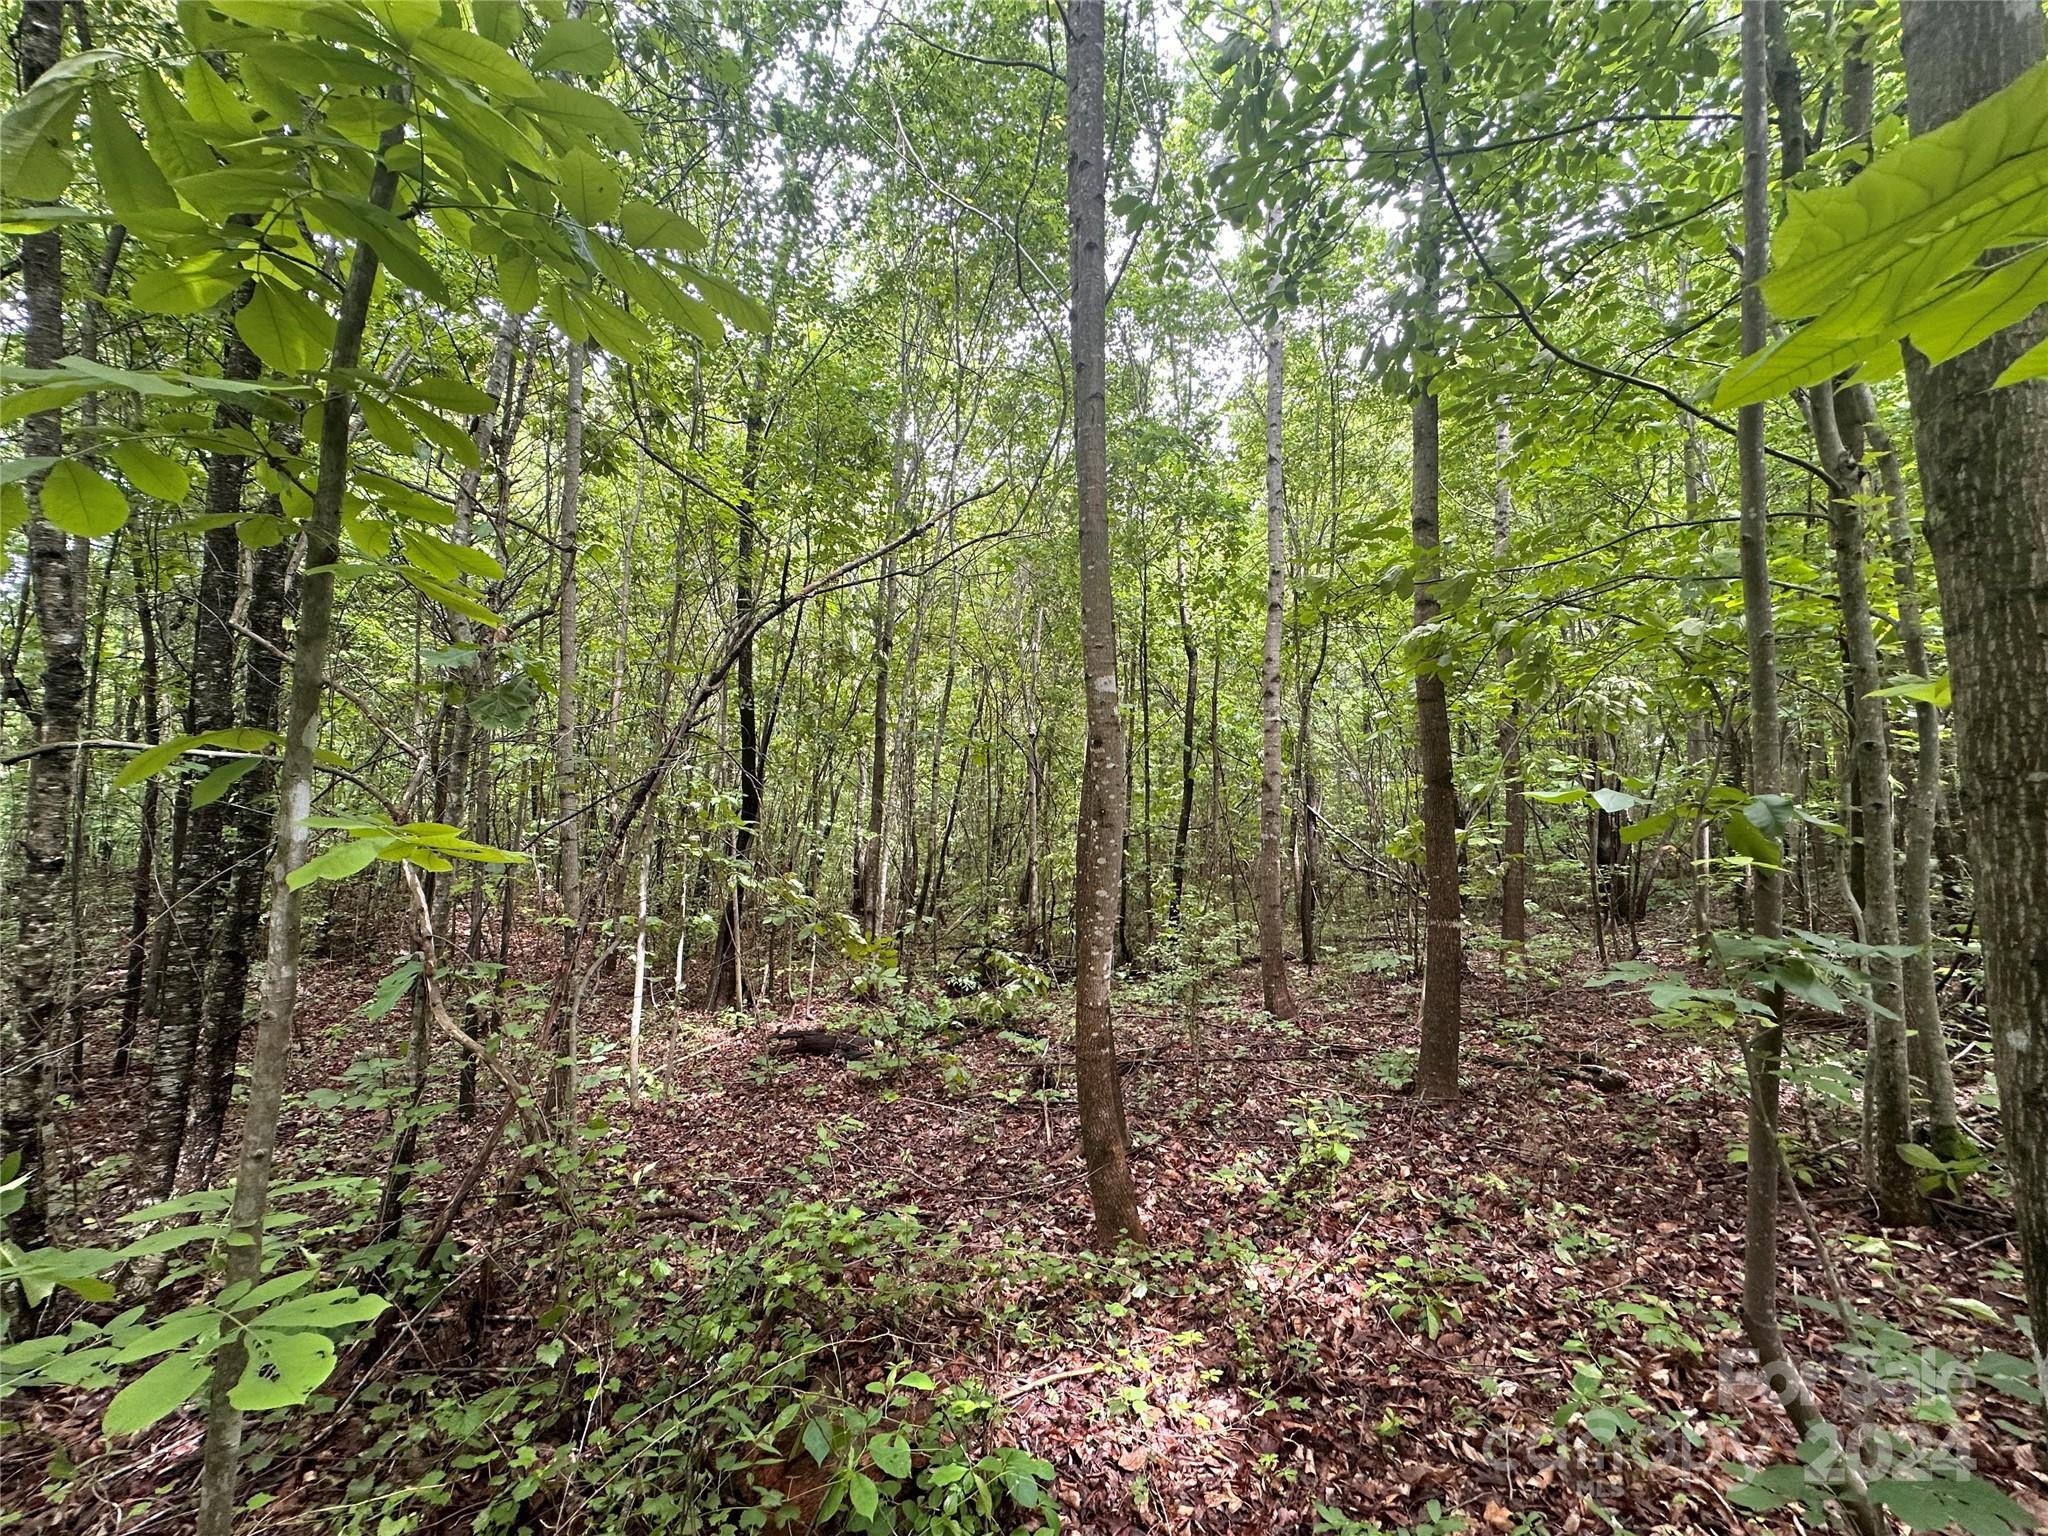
(1436,1072)
(1981,449)
(1098,854)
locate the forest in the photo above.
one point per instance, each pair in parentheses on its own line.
(999,766)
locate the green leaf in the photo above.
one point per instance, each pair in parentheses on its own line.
(1983,308)
(1924,690)
(129,180)
(818,1440)
(150,472)
(284,1369)
(892,1454)
(284,328)
(1935,1503)
(588,187)
(222,778)
(324,1309)
(466,56)
(156,1393)
(2030,364)
(338,862)
(451,394)
(1935,202)
(862,1494)
(81,501)
(35,138)
(577,45)
(648,228)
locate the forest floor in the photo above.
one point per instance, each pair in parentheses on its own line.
(1359,1311)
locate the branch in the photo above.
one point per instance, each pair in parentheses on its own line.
(1613,375)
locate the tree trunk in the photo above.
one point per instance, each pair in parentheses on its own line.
(1923,800)
(36,1008)
(203,874)
(280,991)
(1436,1073)
(143,904)
(1514,853)
(1887,1078)
(1098,854)
(1279,997)
(568,805)
(249,814)
(1190,695)
(1981,452)
(1766,1045)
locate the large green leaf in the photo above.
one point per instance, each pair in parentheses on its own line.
(80,500)
(156,1393)
(578,45)
(284,1369)
(1926,195)
(284,328)
(338,862)
(466,56)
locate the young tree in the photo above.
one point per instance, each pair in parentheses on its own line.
(1098,853)
(1279,997)
(1436,1073)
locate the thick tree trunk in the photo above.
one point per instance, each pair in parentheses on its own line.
(1098,853)
(1981,456)
(1436,1073)
(1279,997)
(36,1008)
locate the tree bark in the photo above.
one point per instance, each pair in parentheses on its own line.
(1922,1002)
(1098,854)
(247,831)
(280,991)
(1981,452)
(1279,997)
(1436,1074)
(568,805)
(36,1008)
(1514,853)
(203,873)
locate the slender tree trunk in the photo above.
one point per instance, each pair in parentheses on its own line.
(143,904)
(35,1010)
(1279,996)
(1514,869)
(728,974)
(1436,1073)
(280,991)
(1887,1077)
(1098,854)
(1923,800)
(1766,1046)
(1190,695)
(202,883)
(870,884)
(249,814)
(568,802)
(1981,456)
